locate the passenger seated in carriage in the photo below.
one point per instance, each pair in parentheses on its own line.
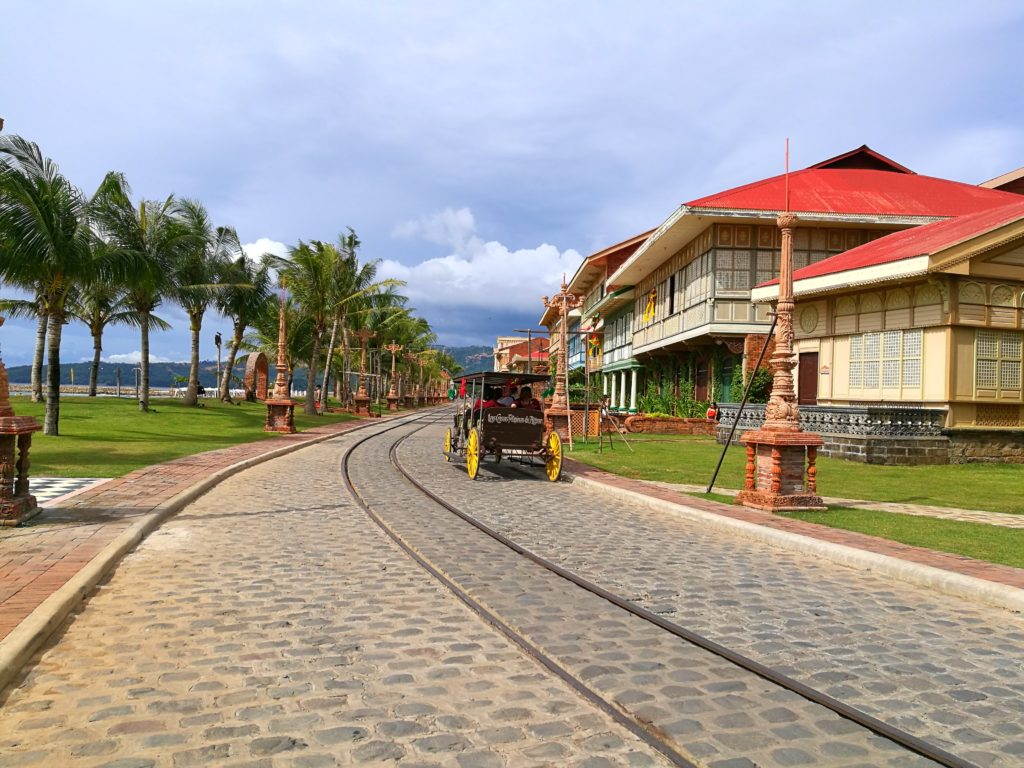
(527,400)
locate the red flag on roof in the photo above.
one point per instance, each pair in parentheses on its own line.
(462,388)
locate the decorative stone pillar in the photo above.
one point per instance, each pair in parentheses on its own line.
(392,398)
(280,407)
(362,399)
(16,503)
(622,391)
(614,399)
(781,472)
(632,388)
(557,415)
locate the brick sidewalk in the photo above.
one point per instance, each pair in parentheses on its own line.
(38,559)
(966,566)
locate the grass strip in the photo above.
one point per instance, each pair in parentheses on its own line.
(110,437)
(990,543)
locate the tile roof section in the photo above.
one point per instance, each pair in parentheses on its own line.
(918,241)
(857,191)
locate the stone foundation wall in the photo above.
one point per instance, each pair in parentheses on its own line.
(887,450)
(968,446)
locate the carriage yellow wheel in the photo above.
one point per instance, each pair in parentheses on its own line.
(473,453)
(553,465)
(448,445)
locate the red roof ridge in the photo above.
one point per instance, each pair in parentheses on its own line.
(865,151)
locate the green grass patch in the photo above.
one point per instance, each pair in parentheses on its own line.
(688,459)
(109,437)
(983,542)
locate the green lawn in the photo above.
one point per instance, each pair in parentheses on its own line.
(982,542)
(109,437)
(991,487)
(684,459)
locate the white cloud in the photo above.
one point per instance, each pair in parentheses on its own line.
(135,357)
(263,245)
(478,273)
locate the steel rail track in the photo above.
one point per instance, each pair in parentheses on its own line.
(646,734)
(896,735)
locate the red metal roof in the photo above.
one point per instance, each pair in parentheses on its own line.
(858,191)
(918,241)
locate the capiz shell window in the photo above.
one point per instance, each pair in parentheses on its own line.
(886,360)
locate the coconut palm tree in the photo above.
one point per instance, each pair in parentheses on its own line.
(98,305)
(244,298)
(194,284)
(356,292)
(151,238)
(47,244)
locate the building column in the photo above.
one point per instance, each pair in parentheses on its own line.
(632,389)
(604,383)
(622,391)
(612,401)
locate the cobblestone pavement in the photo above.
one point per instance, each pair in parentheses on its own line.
(1004,519)
(272,624)
(707,708)
(945,670)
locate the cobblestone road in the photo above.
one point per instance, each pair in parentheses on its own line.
(272,624)
(705,707)
(945,670)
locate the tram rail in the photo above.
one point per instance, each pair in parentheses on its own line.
(645,731)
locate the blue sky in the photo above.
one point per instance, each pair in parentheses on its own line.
(481,149)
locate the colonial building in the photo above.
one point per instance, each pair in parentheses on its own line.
(603,340)
(692,278)
(521,355)
(926,326)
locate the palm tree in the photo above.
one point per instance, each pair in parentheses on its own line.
(243,300)
(194,282)
(97,305)
(151,238)
(47,244)
(356,291)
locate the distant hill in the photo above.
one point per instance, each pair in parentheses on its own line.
(474,358)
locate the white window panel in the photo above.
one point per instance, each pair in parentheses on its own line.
(985,374)
(1009,374)
(912,373)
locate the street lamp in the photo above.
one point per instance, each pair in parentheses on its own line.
(216,340)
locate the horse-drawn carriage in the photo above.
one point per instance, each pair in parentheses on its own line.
(518,433)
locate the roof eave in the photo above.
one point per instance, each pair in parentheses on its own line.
(914,266)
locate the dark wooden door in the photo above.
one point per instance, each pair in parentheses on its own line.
(700,384)
(807,384)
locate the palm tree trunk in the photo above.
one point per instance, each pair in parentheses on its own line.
(144,362)
(314,360)
(50,421)
(330,356)
(192,393)
(37,358)
(94,369)
(225,379)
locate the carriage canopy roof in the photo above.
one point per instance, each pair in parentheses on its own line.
(500,378)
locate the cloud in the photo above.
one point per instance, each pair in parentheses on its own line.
(262,245)
(136,356)
(477,274)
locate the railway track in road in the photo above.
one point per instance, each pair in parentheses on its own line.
(442,552)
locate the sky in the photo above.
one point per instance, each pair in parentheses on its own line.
(482,149)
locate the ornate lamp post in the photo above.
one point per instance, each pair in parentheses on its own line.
(781,471)
(280,407)
(394,348)
(563,301)
(16,503)
(409,393)
(362,398)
